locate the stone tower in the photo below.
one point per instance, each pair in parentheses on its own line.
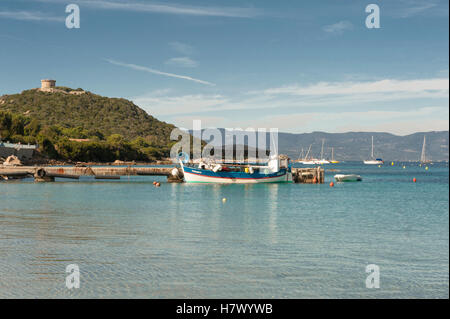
(47,84)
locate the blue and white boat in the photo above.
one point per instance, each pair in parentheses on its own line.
(241,174)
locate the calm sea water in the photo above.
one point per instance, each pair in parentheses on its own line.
(133,240)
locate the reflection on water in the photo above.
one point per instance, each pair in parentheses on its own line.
(131,239)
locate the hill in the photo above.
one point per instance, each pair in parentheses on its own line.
(102,128)
(88,111)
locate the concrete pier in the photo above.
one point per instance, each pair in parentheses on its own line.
(48,174)
(308,175)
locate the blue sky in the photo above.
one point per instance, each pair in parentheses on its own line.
(299,66)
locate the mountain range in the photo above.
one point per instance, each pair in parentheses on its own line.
(357,145)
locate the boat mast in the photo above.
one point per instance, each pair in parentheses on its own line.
(332,153)
(423,157)
(372,146)
(309,149)
(321,152)
(301,155)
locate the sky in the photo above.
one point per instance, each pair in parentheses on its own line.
(296,65)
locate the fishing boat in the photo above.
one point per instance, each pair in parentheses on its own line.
(373,160)
(276,171)
(347,178)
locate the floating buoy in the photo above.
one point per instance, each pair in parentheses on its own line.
(379,165)
(331,184)
(158,184)
(426,168)
(404,166)
(414,180)
(392,163)
(154,183)
(224,200)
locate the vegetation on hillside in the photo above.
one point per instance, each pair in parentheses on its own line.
(115,128)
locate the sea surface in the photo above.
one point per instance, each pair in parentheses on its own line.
(131,239)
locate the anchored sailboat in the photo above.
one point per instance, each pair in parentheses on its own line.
(333,161)
(315,161)
(373,160)
(307,160)
(322,160)
(423,157)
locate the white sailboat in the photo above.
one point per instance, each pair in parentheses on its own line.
(322,160)
(423,157)
(307,160)
(333,161)
(373,160)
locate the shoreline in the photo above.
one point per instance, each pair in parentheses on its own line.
(44,162)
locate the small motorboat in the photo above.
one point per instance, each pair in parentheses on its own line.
(347,178)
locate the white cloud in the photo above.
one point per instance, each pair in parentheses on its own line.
(391,105)
(182,48)
(396,122)
(150,70)
(30,16)
(338,28)
(158,103)
(323,94)
(440,86)
(158,7)
(443,72)
(413,8)
(185,62)
(207,121)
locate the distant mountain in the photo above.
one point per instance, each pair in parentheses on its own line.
(357,145)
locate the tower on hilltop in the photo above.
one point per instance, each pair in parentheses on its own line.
(48,84)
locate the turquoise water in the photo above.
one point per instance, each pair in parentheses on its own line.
(133,240)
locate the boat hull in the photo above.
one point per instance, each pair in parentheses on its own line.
(194,175)
(347,178)
(374,162)
(315,162)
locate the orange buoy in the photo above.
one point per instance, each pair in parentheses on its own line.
(331,184)
(158,184)
(414,180)
(154,183)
